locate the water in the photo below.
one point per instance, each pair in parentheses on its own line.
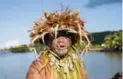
(102,65)
(99,65)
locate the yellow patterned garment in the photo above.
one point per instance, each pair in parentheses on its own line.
(49,66)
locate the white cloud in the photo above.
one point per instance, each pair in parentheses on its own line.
(10,43)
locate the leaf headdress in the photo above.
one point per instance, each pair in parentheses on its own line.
(60,21)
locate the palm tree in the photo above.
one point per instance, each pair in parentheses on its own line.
(114,41)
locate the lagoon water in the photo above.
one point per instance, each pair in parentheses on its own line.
(99,65)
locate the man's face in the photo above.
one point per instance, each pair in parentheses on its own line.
(61,45)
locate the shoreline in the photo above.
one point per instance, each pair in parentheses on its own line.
(104,50)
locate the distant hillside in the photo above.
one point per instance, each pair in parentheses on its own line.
(98,37)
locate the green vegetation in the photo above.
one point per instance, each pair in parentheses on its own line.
(96,46)
(26,48)
(108,40)
(113,41)
(21,48)
(4,50)
(98,37)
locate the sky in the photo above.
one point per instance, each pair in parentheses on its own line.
(18,16)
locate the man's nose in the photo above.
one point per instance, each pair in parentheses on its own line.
(60,40)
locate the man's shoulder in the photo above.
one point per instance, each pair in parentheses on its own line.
(37,66)
(42,60)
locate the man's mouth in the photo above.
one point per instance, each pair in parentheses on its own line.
(61,46)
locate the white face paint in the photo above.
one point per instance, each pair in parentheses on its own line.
(61,45)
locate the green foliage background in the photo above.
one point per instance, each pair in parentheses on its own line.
(98,37)
(21,48)
(113,41)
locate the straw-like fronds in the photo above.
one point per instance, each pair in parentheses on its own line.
(52,22)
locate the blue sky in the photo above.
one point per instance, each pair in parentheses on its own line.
(17,16)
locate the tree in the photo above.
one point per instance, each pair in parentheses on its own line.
(21,48)
(114,41)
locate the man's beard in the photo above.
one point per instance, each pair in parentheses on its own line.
(61,52)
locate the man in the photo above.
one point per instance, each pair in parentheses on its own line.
(60,33)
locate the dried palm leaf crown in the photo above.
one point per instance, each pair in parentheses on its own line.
(59,21)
